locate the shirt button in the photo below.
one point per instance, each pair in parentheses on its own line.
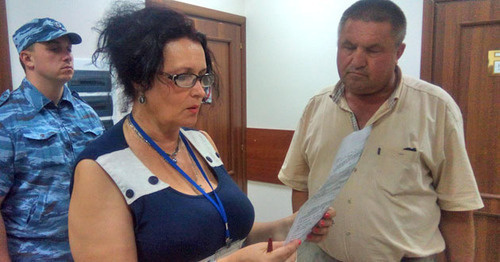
(347,233)
(349,200)
(355,170)
(129,193)
(153,180)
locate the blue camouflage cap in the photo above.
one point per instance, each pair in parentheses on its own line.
(41,30)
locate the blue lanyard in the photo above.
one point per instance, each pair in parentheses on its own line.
(218,205)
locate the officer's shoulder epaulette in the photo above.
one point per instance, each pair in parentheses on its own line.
(4,96)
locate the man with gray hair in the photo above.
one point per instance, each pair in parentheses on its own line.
(412,192)
(43,128)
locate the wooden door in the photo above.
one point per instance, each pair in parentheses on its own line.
(225,118)
(457,37)
(5,73)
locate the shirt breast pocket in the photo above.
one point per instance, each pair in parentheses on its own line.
(38,149)
(397,171)
(91,131)
(84,134)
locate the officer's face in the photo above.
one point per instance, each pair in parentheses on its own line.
(50,61)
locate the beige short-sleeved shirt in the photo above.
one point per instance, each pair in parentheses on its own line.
(414,164)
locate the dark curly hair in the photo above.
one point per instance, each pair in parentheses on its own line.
(132,38)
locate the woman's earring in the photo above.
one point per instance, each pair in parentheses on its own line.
(142,99)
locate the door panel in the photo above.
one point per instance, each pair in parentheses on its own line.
(223,119)
(479,102)
(457,36)
(216,117)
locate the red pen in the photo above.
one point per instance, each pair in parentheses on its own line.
(269,245)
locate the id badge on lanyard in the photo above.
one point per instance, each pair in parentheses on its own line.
(224,251)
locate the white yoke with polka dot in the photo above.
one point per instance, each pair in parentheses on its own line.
(144,182)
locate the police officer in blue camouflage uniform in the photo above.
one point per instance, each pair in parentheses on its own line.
(43,128)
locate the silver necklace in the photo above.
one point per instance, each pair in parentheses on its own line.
(172,156)
(196,172)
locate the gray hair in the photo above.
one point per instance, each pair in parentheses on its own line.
(377,11)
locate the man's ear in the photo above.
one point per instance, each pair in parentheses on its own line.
(27,59)
(401,49)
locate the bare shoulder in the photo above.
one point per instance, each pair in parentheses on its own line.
(93,186)
(90,176)
(99,221)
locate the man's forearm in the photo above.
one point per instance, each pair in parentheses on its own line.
(298,199)
(458,232)
(277,229)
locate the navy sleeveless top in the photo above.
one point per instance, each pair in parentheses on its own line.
(170,225)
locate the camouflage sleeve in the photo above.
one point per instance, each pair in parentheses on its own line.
(6,162)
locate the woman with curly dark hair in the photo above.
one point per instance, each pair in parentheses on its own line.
(152,188)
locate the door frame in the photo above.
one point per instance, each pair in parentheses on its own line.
(486,219)
(202,12)
(5,69)
(427,40)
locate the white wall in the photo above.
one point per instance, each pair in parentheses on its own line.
(77,16)
(291,53)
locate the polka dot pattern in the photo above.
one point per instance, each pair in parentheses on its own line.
(153,180)
(129,193)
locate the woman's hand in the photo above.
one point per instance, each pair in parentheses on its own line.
(321,229)
(258,252)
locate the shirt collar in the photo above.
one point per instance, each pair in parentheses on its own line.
(396,94)
(38,100)
(338,91)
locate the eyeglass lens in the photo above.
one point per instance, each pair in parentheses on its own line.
(189,80)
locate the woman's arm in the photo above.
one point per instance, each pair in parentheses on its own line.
(278,229)
(4,251)
(100,223)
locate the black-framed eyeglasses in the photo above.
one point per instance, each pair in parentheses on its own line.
(188,80)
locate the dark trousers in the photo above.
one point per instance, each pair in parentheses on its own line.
(419,259)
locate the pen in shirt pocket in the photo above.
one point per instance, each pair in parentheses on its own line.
(412,149)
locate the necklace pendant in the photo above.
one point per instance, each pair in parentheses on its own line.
(174,159)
